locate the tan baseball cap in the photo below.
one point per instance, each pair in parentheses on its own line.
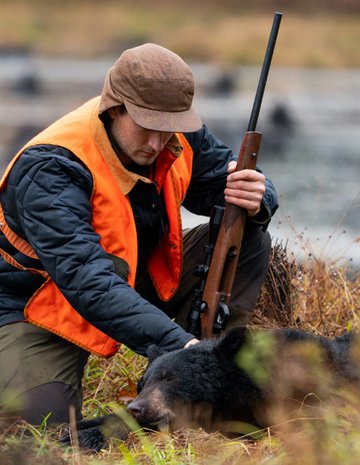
(156,86)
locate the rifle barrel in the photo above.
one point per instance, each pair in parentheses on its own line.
(264,72)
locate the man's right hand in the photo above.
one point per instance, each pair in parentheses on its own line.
(191,342)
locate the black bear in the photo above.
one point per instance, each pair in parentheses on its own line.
(235,384)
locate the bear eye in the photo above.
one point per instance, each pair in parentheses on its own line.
(165,375)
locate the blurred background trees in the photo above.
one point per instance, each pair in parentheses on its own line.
(315,33)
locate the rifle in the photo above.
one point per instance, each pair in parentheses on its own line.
(198,306)
(214,310)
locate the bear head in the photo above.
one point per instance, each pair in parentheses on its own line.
(200,386)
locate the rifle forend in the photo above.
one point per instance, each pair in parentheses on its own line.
(221,274)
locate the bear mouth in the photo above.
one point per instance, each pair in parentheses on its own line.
(160,423)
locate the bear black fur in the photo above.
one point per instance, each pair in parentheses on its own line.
(234,384)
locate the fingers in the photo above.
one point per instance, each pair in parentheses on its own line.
(191,342)
(245,189)
(231,166)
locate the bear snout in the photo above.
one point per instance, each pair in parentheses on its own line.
(136,409)
(150,409)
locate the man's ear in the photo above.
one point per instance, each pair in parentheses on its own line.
(153,352)
(113,111)
(232,342)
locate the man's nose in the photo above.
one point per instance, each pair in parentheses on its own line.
(157,140)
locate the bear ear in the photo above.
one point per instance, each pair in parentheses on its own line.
(153,352)
(231,343)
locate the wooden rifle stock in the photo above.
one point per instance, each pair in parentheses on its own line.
(221,273)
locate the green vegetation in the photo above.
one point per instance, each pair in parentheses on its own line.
(324,33)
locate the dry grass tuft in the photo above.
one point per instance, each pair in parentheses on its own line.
(275,304)
(314,295)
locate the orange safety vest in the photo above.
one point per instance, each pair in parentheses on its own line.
(112,219)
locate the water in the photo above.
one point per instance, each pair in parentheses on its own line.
(310,121)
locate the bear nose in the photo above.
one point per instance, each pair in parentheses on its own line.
(136,409)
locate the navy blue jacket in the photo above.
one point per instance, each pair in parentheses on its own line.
(51,175)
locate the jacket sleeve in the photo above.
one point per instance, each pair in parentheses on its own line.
(211,159)
(54,211)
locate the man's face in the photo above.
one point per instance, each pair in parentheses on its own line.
(137,144)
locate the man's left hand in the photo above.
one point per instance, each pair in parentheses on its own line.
(245,188)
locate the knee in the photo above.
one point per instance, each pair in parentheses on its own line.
(51,402)
(256,247)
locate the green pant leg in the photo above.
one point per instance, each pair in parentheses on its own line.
(40,373)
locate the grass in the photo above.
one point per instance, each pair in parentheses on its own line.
(227,32)
(314,295)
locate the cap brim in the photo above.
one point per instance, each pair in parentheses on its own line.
(181,121)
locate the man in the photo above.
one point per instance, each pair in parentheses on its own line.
(92,249)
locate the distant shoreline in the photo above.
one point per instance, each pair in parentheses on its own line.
(226,33)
